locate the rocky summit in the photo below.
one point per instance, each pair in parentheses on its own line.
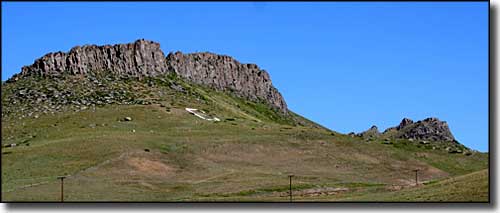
(431,129)
(405,122)
(144,58)
(138,59)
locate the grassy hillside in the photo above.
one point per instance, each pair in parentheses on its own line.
(166,154)
(465,188)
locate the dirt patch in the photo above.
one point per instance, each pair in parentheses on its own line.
(149,167)
(404,172)
(432,172)
(316,192)
(425,173)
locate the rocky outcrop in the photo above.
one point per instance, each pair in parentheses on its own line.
(372,132)
(141,58)
(405,122)
(225,73)
(145,59)
(431,129)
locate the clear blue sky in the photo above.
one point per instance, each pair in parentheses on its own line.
(344,65)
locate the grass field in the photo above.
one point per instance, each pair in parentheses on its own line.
(167,154)
(465,188)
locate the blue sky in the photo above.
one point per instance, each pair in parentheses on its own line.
(345,65)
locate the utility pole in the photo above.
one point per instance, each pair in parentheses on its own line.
(290,177)
(416,176)
(62,187)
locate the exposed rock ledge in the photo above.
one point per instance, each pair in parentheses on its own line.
(145,58)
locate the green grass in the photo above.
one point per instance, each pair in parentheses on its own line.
(246,157)
(454,164)
(466,188)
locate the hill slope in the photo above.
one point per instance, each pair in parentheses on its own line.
(124,134)
(167,154)
(465,188)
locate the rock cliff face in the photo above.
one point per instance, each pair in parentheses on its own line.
(145,58)
(431,129)
(225,73)
(141,58)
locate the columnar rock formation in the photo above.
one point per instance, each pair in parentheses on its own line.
(145,58)
(141,58)
(224,73)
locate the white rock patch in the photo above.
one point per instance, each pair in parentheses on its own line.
(195,112)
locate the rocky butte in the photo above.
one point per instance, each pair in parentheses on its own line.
(144,58)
